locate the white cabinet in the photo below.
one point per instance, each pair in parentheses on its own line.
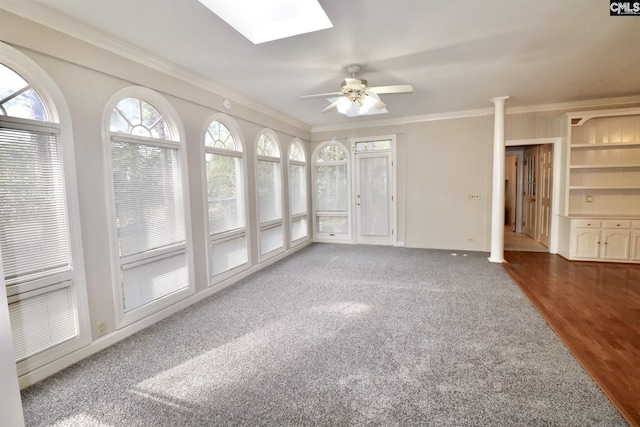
(615,244)
(635,242)
(595,239)
(585,239)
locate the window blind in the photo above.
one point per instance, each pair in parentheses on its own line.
(297,188)
(148,196)
(150,220)
(269,191)
(34,235)
(42,321)
(331,188)
(34,241)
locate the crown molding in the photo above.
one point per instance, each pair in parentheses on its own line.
(42,15)
(563,106)
(576,105)
(405,120)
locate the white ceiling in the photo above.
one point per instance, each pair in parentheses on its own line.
(457,54)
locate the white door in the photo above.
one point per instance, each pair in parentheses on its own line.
(529,202)
(374,198)
(546,182)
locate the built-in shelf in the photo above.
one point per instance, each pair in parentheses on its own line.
(621,166)
(604,187)
(606,146)
(603,162)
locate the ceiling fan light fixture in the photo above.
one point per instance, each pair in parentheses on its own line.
(261,21)
(367,106)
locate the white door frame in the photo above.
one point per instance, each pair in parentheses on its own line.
(554,238)
(393,207)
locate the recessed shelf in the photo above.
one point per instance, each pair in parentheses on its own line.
(621,166)
(606,146)
(603,162)
(604,187)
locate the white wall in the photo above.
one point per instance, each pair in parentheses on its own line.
(448,160)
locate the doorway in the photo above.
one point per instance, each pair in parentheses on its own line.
(374,189)
(528,197)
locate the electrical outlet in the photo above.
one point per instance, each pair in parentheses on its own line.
(474,196)
(101,328)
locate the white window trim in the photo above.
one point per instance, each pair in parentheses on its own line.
(272,223)
(238,138)
(327,237)
(172,118)
(60,119)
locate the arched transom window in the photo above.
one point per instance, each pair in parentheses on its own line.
(139,118)
(18,98)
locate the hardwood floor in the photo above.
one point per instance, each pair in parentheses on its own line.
(595,309)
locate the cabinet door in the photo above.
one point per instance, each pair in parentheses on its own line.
(615,244)
(586,243)
(635,245)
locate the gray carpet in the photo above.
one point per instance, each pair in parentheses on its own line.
(338,335)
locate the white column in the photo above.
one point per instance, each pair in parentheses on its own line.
(497,194)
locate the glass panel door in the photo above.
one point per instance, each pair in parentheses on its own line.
(373,198)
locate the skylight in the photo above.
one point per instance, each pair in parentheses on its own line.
(266,20)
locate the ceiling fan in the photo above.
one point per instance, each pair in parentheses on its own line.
(356,98)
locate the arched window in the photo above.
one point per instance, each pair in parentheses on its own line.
(269,183)
(149,204)
(331,192)
(39,228)
(18,98)
(225,187)
(298,192)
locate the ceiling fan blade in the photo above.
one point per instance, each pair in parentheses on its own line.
(321,95)
(332,106)
(392,89)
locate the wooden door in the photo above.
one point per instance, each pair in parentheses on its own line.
(529,211)
(545,175)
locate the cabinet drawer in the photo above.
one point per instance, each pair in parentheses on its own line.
(635,224)
(586,223)
(612,223)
